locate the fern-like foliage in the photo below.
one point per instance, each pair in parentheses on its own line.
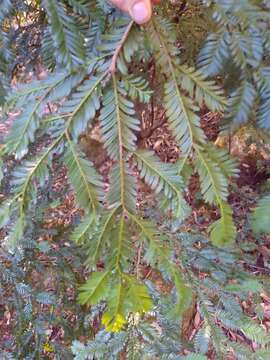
(161,178)
(118,122)
(131,205)
(214,169)
(64,32)
(260,217)
(86,182)
(244,47)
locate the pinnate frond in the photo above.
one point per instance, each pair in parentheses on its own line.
(214,53)
(183,121)
(95,289)
(240,105)
(137,88)
(127,295)
(214,169)
(68,41)
(123,187)
(27,176)
(83,105)
(214,183)
(84,230)
(158,253)
(161,177)
(83,177)
(260,216)
(99,237)
(23,130)
(223,231)
(118,122)
(203,90)
(180,110)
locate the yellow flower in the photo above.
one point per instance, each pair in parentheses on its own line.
(115,324)
(47,348)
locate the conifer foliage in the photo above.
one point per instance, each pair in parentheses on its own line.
(95,56)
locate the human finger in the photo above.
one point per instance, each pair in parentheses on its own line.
(139,10)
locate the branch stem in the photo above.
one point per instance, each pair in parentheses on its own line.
(119,48)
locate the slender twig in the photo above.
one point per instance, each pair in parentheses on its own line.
(139,260)
(119,48)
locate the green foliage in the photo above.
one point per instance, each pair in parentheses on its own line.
(160,177)
(260,217)
(240,39)
(215,168)
(97,61)
(124,294)
(65,34)
(86,182)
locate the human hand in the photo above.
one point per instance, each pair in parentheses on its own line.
(139,10)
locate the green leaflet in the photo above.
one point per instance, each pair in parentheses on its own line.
(214,53)
(5,210)
(138,299)
(121,248)
(27,123)
(1,170)
(183,292)
(161,177)
(240,105)
(202,339)
(214,183)
(223,231)
(80,7)
(112,37)
(25,176)
(23,130)
(131,47)
(64,32)
(124,294)
(160,253)
(203,90)
(261,79)
(137,88)
(246,286)
(83,105)
(181,112)
(84,230)
(157,250)
(161,35)
(100,238)
(128,295)
(95,289)
(158,175)
(84,178)
(214,168)
(118,122)
(15,234)
(260,217)
(183,121)
(254,332)
(118,125)
(123,187)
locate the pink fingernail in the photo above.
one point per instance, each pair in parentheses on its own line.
(139,12)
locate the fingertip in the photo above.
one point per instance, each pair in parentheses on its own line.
(141,12)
